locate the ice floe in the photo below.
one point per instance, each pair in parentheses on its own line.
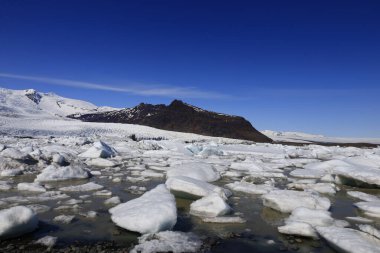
(307,173)
(358,176)
(251,188)
(99,150)
(65,219)
(112,201)
(324,188)
(101,162)
(210,206)
(48,241)
(302,222)
(5,186)
(38,208)
(359,219)
(53,173)
(154,211)
(91,186)
(192,188)
(197,170)
(15,154)
(32,187)
(224,219)
(363,196)
(349,240)
(16,221)
(11,172)
(59,159)
(168,241)
(288,200)
(371,208)
(371,230)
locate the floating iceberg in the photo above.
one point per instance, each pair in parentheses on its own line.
(99,150)
(53,173)
(168,241)
(193,188)
(197,170)
(349,240)
(287,200)
(154,211)
(210,206)
(16,221)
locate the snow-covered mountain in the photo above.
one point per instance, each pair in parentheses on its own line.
(26,112)
(300,137)
(294,135)
(31,103)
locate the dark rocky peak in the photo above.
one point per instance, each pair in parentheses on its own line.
(177,103)
(33,95)
(181,117)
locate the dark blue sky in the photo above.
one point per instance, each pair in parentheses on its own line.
(311,66)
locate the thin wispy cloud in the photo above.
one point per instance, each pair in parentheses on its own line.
(134,89)
(313,92)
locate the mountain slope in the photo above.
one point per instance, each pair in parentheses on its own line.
(30,103)
(181,117)
(299,137)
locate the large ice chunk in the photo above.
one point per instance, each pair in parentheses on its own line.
(251,188)
(205,150)
(99,149)
(371,230)
(16,221)
(82,187)
(154,211)
(371,208)
(197,170)
(33,187)
(349,240)
(307,173)
(53,173)
(193,188)
(168,241)
(15,154)
(210,206)
(363,196)
(303,220)
(324,188)
(287,200)
(101,162)
(358,176)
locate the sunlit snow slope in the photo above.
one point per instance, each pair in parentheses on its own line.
(310,138)
(30,103)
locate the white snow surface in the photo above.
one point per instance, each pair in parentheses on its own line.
(310,138)
(45,105)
